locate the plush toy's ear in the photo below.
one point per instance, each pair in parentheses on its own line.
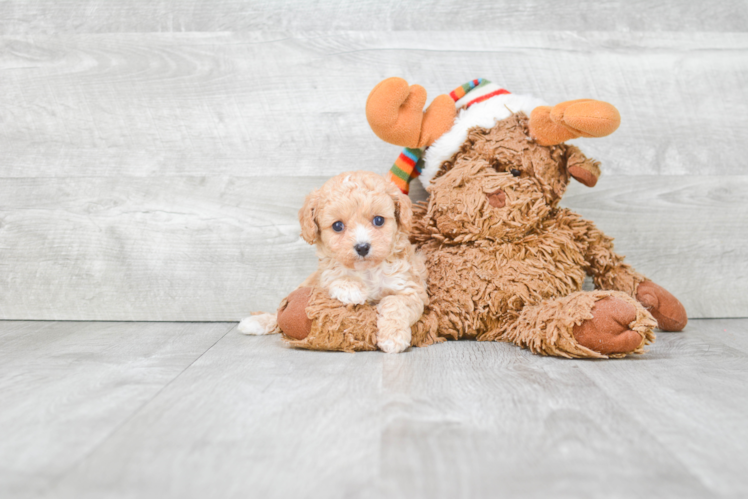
(585,170)
(308,218)
(403,207)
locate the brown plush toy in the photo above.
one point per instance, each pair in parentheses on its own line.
(505,263)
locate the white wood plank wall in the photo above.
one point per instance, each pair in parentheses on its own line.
(155,152)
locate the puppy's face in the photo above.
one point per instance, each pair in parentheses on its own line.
(355,219)
(358,230)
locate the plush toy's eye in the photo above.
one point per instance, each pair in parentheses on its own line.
(378,221)
(338,226)
(515,172)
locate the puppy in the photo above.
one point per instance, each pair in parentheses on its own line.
(360,223)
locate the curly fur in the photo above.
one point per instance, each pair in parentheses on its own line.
(390,274)
(510,270)
(488,265)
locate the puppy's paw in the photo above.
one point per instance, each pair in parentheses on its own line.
(394,341)
(347,293)
(259,324)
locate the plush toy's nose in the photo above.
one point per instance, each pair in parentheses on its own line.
(497,198)
(362,249)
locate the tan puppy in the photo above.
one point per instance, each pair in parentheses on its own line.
(360,224)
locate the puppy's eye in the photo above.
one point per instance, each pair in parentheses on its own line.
(338,226)
(515,172)
(378,221)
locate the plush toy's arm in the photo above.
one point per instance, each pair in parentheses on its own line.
(607,268)
(609,272)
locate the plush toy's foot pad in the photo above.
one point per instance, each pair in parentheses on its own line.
(666,309)
(608,331)
(292,318)
(258,324)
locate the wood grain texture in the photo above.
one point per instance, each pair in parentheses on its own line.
(185,248)
(66,387)
(702,378)
(216,248)
(153,149)
(254,418)
(671,229)
(103,16)
(134,104)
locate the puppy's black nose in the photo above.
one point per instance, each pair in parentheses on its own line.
(362,249)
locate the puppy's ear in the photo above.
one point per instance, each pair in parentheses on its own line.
(583,169)
(403,207)
(308,218)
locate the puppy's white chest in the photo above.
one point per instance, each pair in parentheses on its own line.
(382,281)
(356,286)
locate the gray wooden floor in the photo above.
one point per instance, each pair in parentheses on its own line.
(195,409)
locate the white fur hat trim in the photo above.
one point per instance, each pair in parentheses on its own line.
(483,114)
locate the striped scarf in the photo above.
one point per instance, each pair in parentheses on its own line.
(409,164)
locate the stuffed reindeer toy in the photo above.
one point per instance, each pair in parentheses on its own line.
(504,262)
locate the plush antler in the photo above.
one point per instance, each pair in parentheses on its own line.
(395,113)
(572,119)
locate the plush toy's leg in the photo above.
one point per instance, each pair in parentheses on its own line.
(595,324)
(666,309)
